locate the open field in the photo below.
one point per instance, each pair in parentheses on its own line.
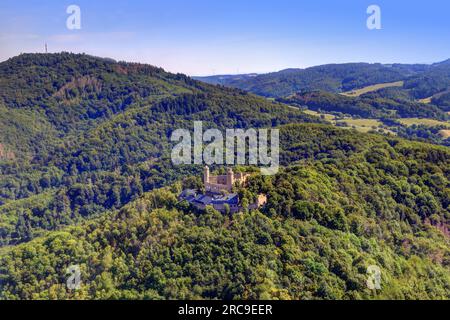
(426,100)
(375,87)
(364,125)
(361,125)
(328,117)
(362,122)
(427,122)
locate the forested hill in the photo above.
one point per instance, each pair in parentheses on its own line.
(81,134)
(74,92)
(331,78)
(343,201)
(353,91)
(86,178)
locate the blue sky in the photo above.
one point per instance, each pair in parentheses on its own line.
(202,37)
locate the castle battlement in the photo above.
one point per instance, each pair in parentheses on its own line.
(221,183)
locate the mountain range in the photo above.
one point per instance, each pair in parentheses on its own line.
(338,78)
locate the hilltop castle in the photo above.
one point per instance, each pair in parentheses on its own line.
(223,183)
(219,192)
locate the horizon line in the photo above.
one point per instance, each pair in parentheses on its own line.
(228,74)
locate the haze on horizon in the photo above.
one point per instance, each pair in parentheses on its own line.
(205,37)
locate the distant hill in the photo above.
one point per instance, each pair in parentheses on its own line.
(433,81)
(226,78)
(410,90)
(445,62)
(331,78)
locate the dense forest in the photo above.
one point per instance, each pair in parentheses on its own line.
(68,162)
(345,201)
(86,179)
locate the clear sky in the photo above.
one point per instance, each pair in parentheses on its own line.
(202,37)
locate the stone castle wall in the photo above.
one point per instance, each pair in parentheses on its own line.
(218,184)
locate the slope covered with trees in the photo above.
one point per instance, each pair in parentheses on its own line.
(370,105)
(331,78)
(86,179)
(81,134)
(423,93)
(343,201)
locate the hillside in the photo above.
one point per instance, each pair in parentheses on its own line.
(225,79)
(90,134)
(343,202)
(331,78)
(367,106)
(86,178)
(372,88)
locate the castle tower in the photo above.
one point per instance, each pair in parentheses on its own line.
(230,179)
(206,175)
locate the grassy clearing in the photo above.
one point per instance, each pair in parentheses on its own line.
(328,117)
(375,87)
(363,122)
(427,122)
(426,100)
(363,125)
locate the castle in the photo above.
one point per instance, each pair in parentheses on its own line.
(219,193)
(223,183)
